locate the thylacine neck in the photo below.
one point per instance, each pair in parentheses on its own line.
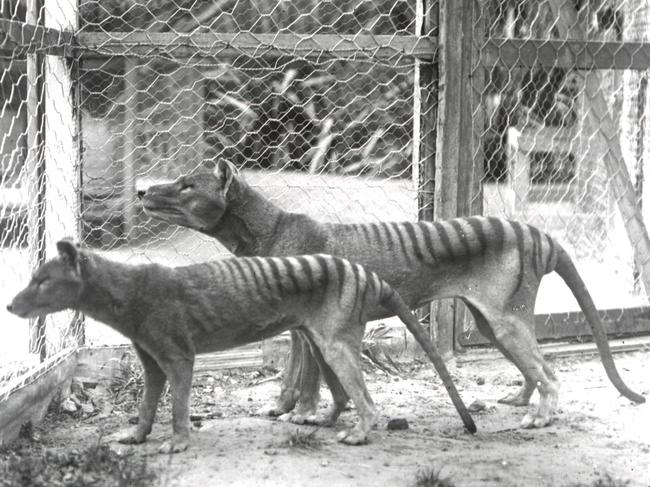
(109,289)
(248,227)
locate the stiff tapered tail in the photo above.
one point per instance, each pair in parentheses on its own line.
(393,302)
(567,271)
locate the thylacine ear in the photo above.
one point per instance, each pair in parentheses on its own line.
(225,172)
(68,252)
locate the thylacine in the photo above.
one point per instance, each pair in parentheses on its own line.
(171,314)
(494,265)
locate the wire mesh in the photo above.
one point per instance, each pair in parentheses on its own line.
(38,190)
(323,106)
(313,101)
(561,100)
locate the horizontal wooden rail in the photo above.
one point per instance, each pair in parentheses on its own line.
(566,54)
(27,38)
(169,44)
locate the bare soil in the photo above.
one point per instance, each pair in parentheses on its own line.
(597,437)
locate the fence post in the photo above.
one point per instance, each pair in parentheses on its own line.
(34,170)
(61,154)
(455,174)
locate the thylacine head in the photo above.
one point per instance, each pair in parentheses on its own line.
(56,285)
(197,201)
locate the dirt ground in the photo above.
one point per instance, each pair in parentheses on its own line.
(596,432)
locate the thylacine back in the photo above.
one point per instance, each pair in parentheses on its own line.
(171,314)
(493,265)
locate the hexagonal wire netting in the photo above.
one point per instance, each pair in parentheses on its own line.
(564,137)
(319,103)
(303,96)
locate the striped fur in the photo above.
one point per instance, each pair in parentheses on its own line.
(171,314)
(493,265)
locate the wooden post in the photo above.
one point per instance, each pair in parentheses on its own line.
(424,153)
(62,166)
(34,171)
(456,178)
(129,146)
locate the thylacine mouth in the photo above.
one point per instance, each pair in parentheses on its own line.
(162,210)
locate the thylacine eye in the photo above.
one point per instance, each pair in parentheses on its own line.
(186,187)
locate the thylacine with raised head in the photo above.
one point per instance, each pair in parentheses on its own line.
(171,314)
(494,265)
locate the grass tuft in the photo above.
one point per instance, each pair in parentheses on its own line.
(431,477)
(303,440)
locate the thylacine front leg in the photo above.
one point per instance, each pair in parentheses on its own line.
(179,373)
(154,382)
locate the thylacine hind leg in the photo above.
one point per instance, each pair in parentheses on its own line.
(339,396)
(300,385)
(341,352)
(514,335)
(511,329)
(522,396)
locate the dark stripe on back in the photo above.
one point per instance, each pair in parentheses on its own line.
(426,235)
(255,273)
(230,270)
(239,268)
(260,271)
(496,225)
(379,236)
(365,231)
(291,272)
(519,236)
(551,253)
(340,272)
(476,225)
(402,244)
(324,271)
(444,238)
(276,277)
(387,236)
(537,250)
(462,236)
(357,280)
(410,230)
(305,269)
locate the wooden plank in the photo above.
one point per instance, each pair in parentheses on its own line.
(108,362)
(617,322)
(623,345)
(170,44)
(29,400)
(27,37)
(569,54)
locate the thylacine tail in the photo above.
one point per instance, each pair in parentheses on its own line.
(566,269)
(392,301)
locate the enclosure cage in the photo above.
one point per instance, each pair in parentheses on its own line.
(349,111)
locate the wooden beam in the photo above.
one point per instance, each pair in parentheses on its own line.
(24,38)
(566,54)
(451,97)
(173,45)
(555,326)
